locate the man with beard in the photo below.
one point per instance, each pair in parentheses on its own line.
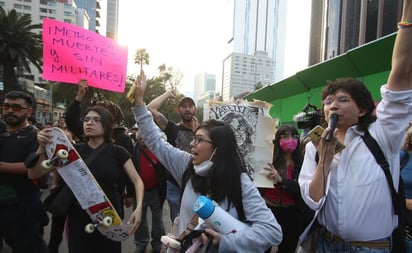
(21,211)
(178,134)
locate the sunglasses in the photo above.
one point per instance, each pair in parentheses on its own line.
(14,107)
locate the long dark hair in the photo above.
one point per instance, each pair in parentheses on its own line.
(224,179)
(359,93)
(106,120)
(279,160)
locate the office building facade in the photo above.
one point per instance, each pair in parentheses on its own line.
(244,73)
(204,83)
(340,25)
(257,44)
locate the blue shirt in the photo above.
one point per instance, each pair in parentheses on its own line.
(406,174)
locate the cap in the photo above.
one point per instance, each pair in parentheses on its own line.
(188,99)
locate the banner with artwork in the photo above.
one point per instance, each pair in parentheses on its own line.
(254,129)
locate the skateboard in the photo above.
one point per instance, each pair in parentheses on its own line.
(84,186)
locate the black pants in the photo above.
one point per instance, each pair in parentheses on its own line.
(56,233)
(290,220)
(22,228)
(81,242)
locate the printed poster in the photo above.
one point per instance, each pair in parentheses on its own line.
(254,130)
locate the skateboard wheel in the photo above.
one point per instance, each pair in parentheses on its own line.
(62,154)
(107,221)
(46,164)
(89,228)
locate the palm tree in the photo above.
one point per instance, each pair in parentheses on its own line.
(141,57)
(19,46)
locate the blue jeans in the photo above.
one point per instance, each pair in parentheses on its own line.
(324,246)
(173,199)
(141,236)
(409,244)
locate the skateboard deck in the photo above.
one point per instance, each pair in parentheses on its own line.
(85,188)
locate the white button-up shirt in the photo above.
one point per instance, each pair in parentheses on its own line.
(358,202)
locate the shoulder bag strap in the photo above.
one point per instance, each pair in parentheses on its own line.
(148,158)
(381,160)
(89,160)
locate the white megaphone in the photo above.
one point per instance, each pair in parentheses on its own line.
(215,216)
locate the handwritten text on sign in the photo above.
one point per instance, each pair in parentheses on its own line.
(71,54)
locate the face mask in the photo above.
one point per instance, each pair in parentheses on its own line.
(288,145)
(203,168)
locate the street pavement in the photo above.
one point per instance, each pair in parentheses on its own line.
(127,245)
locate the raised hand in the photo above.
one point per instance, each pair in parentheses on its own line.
(140,88)
(82,87)
(131,94)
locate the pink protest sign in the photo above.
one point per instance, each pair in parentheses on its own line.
(71,54)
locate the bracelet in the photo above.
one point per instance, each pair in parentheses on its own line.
(404,24)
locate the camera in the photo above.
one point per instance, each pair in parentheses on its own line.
(307,120)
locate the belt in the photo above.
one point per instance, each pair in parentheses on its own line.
(332,238)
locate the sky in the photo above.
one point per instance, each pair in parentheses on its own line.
(192,35)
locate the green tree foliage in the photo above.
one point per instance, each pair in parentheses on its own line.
(19,46)
(65,93)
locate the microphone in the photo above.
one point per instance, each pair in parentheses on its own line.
(333,118)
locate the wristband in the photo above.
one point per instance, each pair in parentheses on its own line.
(404,24)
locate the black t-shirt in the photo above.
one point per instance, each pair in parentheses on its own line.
(107,168)
(15,147)
(179,136)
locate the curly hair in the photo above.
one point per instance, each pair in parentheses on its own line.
(359,93)
(114,110)
(407,144)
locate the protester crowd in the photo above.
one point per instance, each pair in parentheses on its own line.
(323,199)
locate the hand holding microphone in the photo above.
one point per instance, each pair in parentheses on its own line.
(333,119)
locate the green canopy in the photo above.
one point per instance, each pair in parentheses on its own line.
(367,60)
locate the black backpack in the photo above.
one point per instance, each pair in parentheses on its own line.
(398,198)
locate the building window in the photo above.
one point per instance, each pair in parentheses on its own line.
(67,14)
(17,6)
(51,3)
(52,11)
(2,3)
(43,10)
(27,1)
(27,7)
(69,21)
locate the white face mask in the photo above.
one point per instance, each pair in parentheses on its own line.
(203,168)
